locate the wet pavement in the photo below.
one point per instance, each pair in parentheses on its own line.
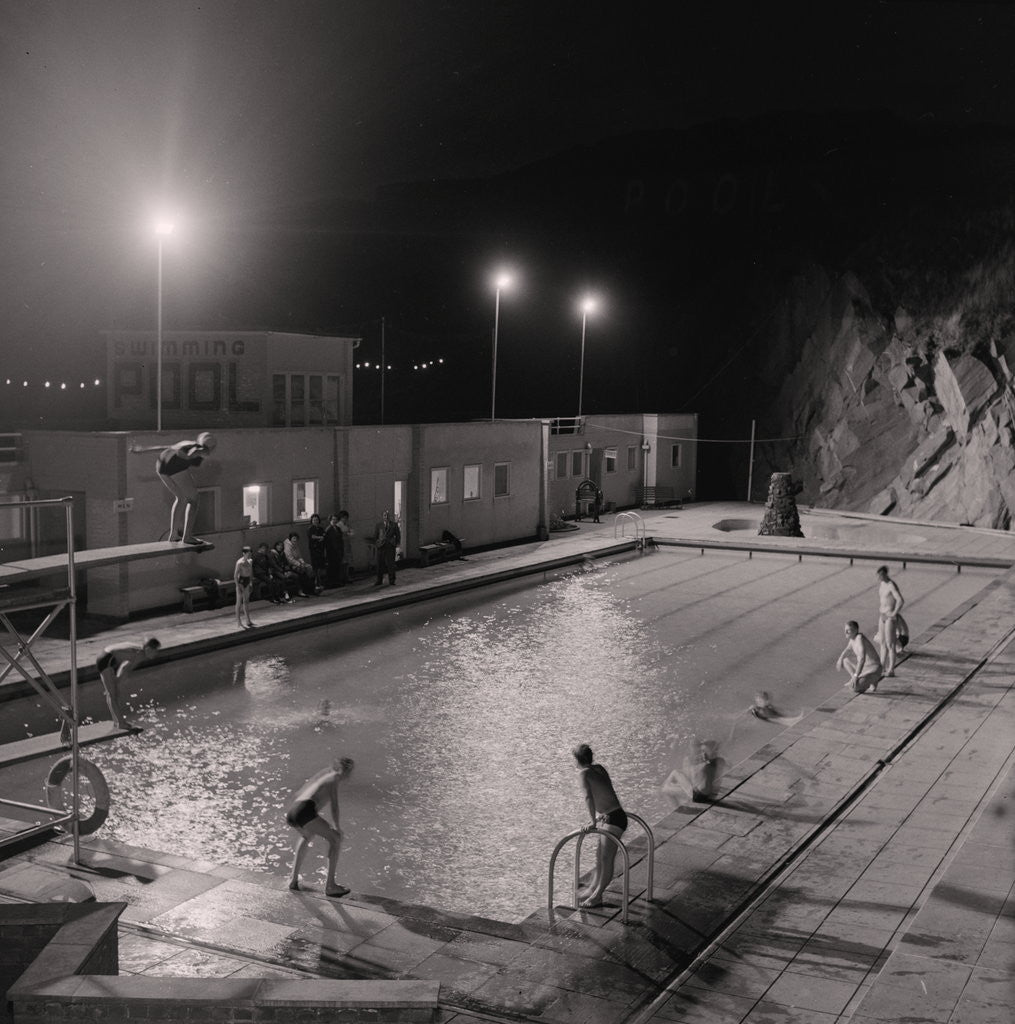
(858,867)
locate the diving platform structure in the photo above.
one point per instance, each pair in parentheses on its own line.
(17,656)
(91,558)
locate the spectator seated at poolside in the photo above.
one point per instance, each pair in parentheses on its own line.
(271,583)
(290,578)
(297,565)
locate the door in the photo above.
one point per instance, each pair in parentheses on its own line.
(397,502)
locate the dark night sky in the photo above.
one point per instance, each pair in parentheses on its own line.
(240,117)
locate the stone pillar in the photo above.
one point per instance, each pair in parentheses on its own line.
(781,518)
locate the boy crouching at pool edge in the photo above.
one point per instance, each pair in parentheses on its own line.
(304,815)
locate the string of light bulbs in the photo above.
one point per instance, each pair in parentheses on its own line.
(61,386)
(426,365)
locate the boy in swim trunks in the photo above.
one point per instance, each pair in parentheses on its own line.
(606,813)
(890,602)
(864,666)
(304,815)
(173,468)
(114,664)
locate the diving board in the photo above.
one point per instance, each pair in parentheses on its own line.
(49,743)
(91,558)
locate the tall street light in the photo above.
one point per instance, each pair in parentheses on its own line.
(163,229)
(588,305)
(502,281)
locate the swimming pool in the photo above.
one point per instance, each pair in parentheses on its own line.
(461,713)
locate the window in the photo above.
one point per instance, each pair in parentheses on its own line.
(632,457)
(501,479)
(255,503)
(561,465)
(304,399)
(675,456)
(578,463)
(610,458)
(470,483)
(207,519)
(439,486)
(304,499)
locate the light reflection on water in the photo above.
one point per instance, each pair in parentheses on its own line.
(464,780)
(461,722)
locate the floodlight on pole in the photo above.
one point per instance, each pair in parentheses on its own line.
(163,228)
(588,305)
(502,281)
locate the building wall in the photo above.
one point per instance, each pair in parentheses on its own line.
(489,518)
(372,460)
(122,501)
(216,379)
(623,486)
(673,429)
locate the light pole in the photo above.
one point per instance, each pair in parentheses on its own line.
(502,281)
(163,229)
(588,305)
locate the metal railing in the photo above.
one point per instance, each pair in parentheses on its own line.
(16,651)
(580,835)
(623,518)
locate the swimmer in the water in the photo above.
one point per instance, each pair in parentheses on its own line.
(173,468)
(314,796)
(703,771)
(764,709)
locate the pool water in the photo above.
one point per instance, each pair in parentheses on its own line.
(461,714)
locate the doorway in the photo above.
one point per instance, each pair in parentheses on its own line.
(397,503)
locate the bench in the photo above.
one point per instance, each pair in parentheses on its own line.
(439,551)
(659,497)
(201,595)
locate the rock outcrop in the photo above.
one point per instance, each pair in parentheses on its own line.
(906,415)
(781,518)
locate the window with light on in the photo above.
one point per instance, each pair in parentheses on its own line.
(255,503)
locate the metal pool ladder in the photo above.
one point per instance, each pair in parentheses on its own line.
(621,520)
(580,835)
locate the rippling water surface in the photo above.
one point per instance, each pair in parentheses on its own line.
(461,718)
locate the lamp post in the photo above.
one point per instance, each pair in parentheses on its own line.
(502,281)
(163,229)
(588,305)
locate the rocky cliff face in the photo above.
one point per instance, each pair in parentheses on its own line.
(907,413)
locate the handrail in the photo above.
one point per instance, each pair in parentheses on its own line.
(577,866)
(580,834)
(621,521)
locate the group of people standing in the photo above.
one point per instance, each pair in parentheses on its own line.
(331,549)
(282,572)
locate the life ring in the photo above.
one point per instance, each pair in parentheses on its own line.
(55,798)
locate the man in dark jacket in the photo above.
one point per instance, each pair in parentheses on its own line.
(387,537)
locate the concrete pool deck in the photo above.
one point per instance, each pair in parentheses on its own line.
(859,866)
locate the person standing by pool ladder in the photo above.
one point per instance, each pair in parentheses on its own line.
(304,815)
(606,813)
